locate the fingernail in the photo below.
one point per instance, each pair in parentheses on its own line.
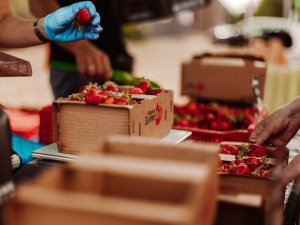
(252,140)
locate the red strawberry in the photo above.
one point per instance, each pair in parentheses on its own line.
(223,126)
(103,92)
(242,169)
(120,102)
(93,98)
(192,108)
(253,163)
(225,151)
(238,161)
(109,100)
(213,125)
(257,151)
(224,170)
(184,123)
(110,86)
(279,153)
(136,91)
(265,173)
(156,91)
(247,120)
(83,89)
(232,149)
(209,117)
(83,17)
(145,86)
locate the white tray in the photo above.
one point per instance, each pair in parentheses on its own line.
(50,152)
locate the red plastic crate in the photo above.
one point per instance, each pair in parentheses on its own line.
(205,135)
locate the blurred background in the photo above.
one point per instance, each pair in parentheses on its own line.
(160,46)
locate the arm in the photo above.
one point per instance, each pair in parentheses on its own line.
(85,52)
(280,126)
(12,37)
(56,26)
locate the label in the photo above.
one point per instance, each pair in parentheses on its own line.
(158,114)
(150,117)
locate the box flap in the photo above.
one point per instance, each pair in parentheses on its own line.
(11,66)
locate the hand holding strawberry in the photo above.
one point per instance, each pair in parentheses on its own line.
(83,17)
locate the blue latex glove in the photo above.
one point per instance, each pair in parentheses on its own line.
(59,25)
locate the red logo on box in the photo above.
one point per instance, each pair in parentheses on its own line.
(158,114)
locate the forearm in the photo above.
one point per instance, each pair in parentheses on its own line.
(17,33)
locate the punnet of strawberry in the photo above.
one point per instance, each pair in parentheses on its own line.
(249,159)
(110,93)
(213,116)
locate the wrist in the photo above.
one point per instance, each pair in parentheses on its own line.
(40,31)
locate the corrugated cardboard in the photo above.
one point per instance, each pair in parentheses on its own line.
(222,77)
(11,66)
(112,190)
(151,149)
(77,126)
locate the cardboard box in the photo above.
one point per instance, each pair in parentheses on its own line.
(11,66)
(222,77)
(112,190)
(150,149)
(78,126)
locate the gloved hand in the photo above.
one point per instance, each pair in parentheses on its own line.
(59,25)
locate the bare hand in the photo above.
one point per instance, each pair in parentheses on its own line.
(93,63)
(278,128)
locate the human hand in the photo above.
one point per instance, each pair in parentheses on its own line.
(93,63)
(290,172)
(279,127)
(59,26)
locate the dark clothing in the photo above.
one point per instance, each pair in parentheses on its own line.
(111,38)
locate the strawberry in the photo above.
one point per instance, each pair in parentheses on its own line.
(156,91)
(224,170)
(213,125)
(109,100)
(257,151)
(145,86)
(238,161)
(265,173)
(83,89)
(120,102)
(231,148)
(242,169)
(253,163)
(279,153)
(110,86)
(136,91)
(209,117)
(93,98)
(192,108)
(225,151)
(223,126)
(103,92)
(83,17)
(183,123)
(248,120)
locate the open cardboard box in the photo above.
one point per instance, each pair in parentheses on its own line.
(78,126)
(222,77)
(233,185)
(147,148)
(11,66)
(112,190)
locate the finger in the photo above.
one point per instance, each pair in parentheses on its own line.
(91,68)
(100,67)
(96,19)
(86,4)
(95,29)
(90,35)
(260,133)
(291,172)
(284,137)
(81,66)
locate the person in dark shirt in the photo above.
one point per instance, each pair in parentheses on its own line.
(76,64)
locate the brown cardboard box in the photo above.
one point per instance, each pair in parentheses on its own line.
(112,190)
(150,149)
(222,77)
(77,126)
(11,66)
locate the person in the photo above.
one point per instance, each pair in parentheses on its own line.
(278,129)
(76,64)
(57,26)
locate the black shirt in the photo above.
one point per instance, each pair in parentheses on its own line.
(110,41)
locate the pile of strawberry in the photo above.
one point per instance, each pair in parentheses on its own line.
(109,93)
(213,116)
(249,159)
(251,166)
